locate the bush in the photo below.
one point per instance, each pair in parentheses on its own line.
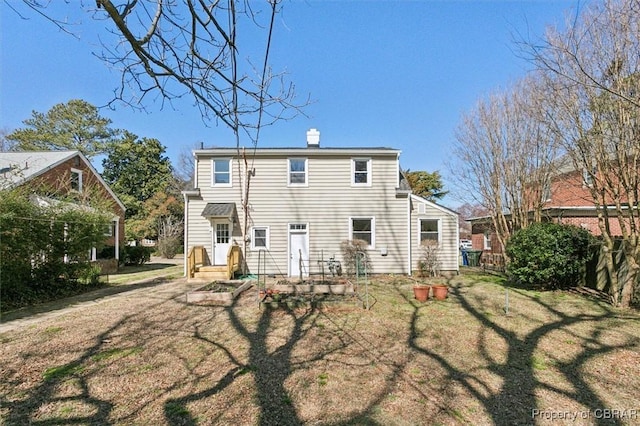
(354,253)
(44,246)
(168,247)
(548,255)
(136,255)
(108,252)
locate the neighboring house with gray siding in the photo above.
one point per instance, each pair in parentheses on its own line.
(303,202)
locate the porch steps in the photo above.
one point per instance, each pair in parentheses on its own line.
(211,273)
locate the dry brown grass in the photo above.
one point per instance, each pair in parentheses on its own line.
(157,360)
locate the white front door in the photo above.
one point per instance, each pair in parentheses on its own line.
(298,250)
(221,238)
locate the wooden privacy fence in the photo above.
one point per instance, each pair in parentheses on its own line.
(596,275)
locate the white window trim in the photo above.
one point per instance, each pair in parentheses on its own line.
(353,171)
(253,238)
(213,173)
(439,223)
(486,240)
(373,229)
(109,232)
(306,172)
(546,191)
(587,180)
(79,172)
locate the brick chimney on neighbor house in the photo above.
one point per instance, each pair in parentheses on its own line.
(313,138)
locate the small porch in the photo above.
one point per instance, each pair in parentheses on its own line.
(199,265)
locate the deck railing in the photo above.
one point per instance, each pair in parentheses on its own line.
(233,260)
(194,259)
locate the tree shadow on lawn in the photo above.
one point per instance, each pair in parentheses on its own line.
(265,350)
(271,367)
(515,400)
(150,336)
(270,370)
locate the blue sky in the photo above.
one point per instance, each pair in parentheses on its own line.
(379,73)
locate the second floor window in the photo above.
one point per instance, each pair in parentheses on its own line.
(297,171)
(76,180)
(361,171)
(546,191)
(487,240)
(221,172)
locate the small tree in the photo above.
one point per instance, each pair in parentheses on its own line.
(429,263)
(354,253)
(548,255)
(170,231)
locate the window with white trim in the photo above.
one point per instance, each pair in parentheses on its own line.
(221,172)
(297,171)
(76,180)
(429,231)
(487,240)
(361,171)
(260,238)
(546,191)
(108,230)
(587,178)
(363,228)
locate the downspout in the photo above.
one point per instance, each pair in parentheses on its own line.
(117,242)
(186,233)
(458,244)
(409,231)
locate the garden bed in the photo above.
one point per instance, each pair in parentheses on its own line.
(338,286)
(219,292)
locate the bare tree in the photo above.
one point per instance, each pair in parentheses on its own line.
(504,156)
(176,48)
(593,68)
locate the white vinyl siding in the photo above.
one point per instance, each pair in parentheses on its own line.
(326,204)
(430,221)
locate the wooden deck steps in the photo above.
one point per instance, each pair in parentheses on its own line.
(211,273)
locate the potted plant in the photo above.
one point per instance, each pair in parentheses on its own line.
(421,292)
(440,291)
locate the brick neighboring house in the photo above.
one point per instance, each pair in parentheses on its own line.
(49,174)
(568,200)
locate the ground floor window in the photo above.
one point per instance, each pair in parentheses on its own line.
(260,237)
(363,228)
(429,233)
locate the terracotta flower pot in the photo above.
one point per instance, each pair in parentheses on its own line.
(440,291)
(421,292)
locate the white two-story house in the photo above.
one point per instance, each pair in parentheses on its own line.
(304,202)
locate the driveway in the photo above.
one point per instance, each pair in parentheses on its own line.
(158,286)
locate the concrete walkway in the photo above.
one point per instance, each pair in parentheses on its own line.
(156,285)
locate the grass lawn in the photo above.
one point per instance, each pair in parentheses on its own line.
(158,360)
(129,274)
